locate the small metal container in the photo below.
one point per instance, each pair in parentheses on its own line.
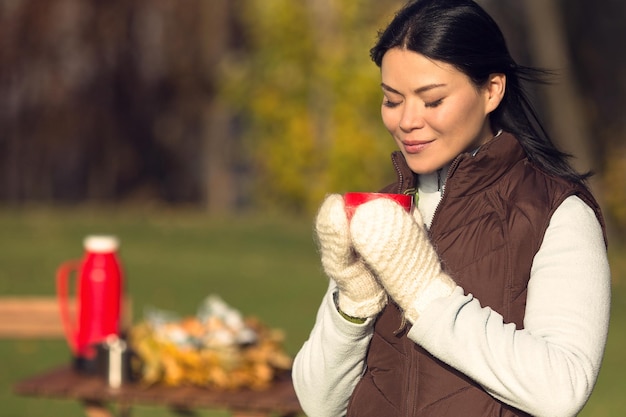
(114,361)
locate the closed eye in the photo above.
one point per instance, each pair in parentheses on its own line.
(390,104)
(433,104)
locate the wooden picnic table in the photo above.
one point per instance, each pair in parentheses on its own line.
(96,396)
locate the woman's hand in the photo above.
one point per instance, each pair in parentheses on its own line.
(396,247)
(360,295)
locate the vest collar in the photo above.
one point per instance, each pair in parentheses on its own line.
(470,172)
(473,172)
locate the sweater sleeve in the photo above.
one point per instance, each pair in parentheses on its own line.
(331,362)
(549,368)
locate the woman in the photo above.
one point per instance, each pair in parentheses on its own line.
(492,297)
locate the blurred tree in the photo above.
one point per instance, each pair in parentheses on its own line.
(217,174)
(548,43)
(569,120)
(108,101)
(581,41)
(310,99)
(275,102)
(596,35)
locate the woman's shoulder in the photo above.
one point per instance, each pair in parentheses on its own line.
(574,212)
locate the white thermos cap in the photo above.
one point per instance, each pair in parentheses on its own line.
(101,243)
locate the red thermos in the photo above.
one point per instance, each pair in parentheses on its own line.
(99,291)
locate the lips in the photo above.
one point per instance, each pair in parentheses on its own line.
(413,147)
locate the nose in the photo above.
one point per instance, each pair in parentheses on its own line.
(412,117)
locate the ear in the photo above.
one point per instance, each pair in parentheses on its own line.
(494,91)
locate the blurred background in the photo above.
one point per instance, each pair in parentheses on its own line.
(158,119)
(228,105)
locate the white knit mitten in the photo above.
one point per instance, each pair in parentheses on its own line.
(396,247)
(360,295)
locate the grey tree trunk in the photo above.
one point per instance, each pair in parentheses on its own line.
(218,178)
(568,123)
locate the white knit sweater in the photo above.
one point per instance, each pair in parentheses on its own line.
(547,369)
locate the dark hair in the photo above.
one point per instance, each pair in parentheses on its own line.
(462,34)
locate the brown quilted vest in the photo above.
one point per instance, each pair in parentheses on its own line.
(489,225)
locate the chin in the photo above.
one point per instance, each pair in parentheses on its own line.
(422,167)
(426,162)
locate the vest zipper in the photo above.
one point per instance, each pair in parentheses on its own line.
(399,174)
(412,383)
(453,166)
(445,188)
(413,368)
(402,187)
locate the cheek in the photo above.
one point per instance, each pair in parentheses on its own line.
(461,115)
(473,107)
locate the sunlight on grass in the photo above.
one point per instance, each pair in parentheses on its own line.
(263,265)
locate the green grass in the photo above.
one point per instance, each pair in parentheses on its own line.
(263,265)
(608,399)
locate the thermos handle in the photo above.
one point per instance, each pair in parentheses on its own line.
(63,275)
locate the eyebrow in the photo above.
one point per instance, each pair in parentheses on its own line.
(416,91)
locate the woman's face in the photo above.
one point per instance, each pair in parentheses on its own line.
(433,111)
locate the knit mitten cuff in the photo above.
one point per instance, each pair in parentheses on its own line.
(441,287)
(364,308)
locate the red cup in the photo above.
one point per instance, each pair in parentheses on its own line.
(355,199)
